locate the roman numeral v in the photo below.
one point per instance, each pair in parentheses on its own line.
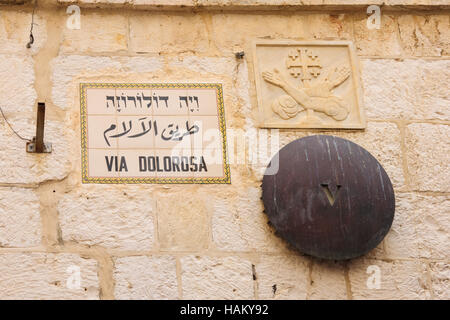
(330,193)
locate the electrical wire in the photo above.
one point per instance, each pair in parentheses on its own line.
(31,28)
(9,125)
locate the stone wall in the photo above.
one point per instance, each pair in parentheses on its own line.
(213,241)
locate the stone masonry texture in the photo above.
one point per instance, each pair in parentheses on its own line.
(61,239)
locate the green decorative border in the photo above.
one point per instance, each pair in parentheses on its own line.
(84,154)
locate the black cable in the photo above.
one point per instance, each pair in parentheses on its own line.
(6,120)
(31,28)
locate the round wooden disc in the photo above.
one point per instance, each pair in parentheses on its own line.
(329,198)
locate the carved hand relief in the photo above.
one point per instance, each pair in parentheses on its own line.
(308,85)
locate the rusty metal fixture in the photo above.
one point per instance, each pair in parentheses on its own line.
(37,145)
(239,55)
(330,198)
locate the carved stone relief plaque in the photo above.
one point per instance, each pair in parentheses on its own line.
(312,84)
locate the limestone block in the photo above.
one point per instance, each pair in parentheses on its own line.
(67,72)
(328,26)
(135,3)
(109,217)
(401,240)
(427,156)
(97,33)
(399,280)
(283,277)
(420,228)
(246,4)
(183,221)
(16,84)
(433,225)
(47,276)
(414,2)
(18,166)
(356,2)
(168,33)
(174,3)
(20,222)
(239,224)
(145,278)
(377,42)
(251,149)
(408,89)
(232,31)
(425,35)
(287,136)
(440,280)
(328,281)
(211,65)
(272,26)
(233,74)
(216,278)
(15,32)
(14,1)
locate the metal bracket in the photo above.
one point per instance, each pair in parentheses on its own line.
(31,147)
(239,55)
(37,145)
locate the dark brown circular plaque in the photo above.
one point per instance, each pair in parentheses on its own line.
(329,198)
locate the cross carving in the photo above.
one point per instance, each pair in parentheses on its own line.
(303,62)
